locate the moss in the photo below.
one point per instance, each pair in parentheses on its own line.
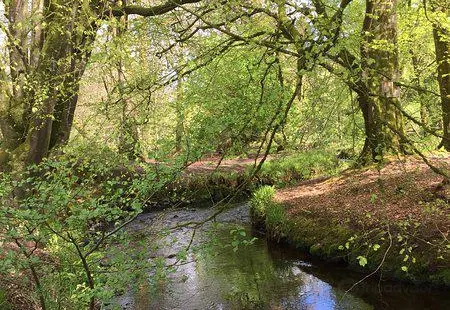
(266,212)
(320,238)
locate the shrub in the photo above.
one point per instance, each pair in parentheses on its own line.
(266,211)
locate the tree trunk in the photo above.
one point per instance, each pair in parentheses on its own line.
(129,135)
(380,72)
(422,97)
(441,35)
(62,61)
(65,106)
(14,97)
(179,114)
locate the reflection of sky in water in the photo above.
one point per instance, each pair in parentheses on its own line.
(247,279)
(315,294)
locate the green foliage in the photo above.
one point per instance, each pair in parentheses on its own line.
(3,301)
(226,109)
(261,198)
(362,260)
(64,230)
(240,238)
(271,214)
(153,90)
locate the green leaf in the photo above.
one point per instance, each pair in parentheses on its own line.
(362,260)
(376,247)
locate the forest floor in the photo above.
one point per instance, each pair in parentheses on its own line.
(400,190)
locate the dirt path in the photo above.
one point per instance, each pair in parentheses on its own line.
(209,165)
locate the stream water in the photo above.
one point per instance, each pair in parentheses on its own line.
(228,266)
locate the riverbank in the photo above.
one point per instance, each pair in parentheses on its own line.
(392,220)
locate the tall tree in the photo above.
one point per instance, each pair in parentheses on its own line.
(373,78)
(128,131)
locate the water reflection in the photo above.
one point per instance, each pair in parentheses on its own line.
(217,277)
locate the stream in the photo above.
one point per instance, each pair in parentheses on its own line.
(229,266)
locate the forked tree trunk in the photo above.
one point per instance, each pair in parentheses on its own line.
(38,105)
(58,75)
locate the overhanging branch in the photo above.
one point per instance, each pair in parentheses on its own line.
(151,11)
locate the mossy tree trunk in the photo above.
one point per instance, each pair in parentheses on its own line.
(383,120)
(443,59)
(39,99)
(441,36)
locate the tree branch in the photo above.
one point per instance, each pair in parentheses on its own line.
(151,11)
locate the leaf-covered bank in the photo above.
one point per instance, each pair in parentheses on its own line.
(391,220)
